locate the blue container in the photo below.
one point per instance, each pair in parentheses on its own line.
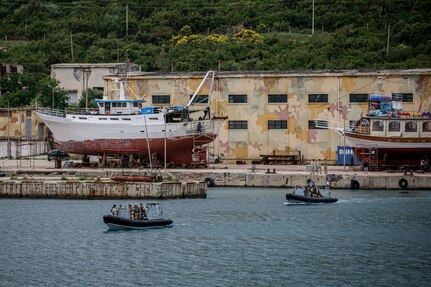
(349,155)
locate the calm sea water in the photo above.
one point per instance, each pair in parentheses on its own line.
(234,237)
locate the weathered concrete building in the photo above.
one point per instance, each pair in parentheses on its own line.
(21,133)
(75,78)
(273,111)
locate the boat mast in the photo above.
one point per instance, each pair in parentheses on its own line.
(201,85)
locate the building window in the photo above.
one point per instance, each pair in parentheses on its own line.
(277,125)
(377,126)
(200,99)
(358,98)
(411,127)
(394,127)
(161,99)
(237,99)
(404,97)
(277,98)
(237,125)
(317,125)
(317,98)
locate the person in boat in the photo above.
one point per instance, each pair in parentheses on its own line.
(307,191)
(136,212)
(142,212)
(130,211)
(315,192)
(114,209)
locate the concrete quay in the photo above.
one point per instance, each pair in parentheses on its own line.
(281,176)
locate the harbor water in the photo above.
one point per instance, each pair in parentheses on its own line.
(234,237)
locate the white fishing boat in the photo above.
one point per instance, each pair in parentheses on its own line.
(129,128)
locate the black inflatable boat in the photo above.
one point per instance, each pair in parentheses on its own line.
(308,199)
(136,217)
(310,193)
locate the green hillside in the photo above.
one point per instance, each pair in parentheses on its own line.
(198,35)
(348,34)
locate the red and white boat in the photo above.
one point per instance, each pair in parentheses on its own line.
(125,127)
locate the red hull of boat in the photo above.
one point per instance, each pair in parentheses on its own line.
(177,149)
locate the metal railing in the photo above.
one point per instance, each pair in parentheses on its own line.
(52,112)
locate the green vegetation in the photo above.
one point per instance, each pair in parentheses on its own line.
(198,35)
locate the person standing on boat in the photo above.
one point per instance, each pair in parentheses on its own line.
(114,209)
(199,126)
(207,112)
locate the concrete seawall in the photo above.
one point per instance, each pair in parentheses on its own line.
(275,176)
(101,189)
(338,181)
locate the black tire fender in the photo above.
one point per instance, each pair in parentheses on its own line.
(209,181)
(403,183)
(354,184)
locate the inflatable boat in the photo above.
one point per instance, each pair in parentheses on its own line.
(136,217)
(291,197)
(310,193)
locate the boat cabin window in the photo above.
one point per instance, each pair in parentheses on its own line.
(378,126)
(411,127)
(126,119)
(101,105)
(82,118)
(394,126)
(114,119)
(103,119)
(426,126)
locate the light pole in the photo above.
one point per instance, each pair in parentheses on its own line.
(344,138)
(53,90)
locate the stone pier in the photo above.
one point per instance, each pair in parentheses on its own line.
(101,189)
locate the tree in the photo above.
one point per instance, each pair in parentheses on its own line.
(89,96)
(23,90)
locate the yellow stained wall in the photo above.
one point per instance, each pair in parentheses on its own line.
(14,125)
(250,143)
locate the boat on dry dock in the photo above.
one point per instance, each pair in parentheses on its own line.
(399,137)
(126,127)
